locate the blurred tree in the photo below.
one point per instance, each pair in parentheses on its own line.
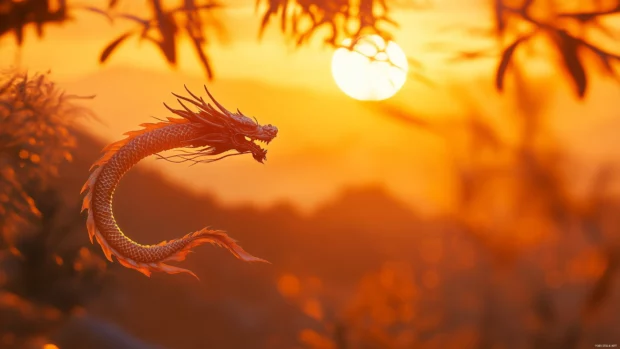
(41,282)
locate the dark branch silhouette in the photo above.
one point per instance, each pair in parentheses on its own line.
(559,27)
(15,15)
(164,28)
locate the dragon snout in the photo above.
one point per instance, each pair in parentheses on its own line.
(271,130)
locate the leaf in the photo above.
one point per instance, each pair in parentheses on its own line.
(283,18)
(609,69)
(167,29)
(585,17)
(505,61)
(264,22)
(19,34)
(193,9)
(500,23)
(605,59)
(98,11)
(202,56)
(39,28)
(527,4)
(112,46)
(144,22)
(568,47)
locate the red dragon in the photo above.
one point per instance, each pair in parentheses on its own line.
(206,133)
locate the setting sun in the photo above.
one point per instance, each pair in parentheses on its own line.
(372,70)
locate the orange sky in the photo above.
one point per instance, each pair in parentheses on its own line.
(326,140)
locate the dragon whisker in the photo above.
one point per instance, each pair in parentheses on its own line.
(179,159)
(169,159)
(220,158)
(185,151)
(190,156)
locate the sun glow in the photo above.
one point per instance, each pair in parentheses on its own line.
(372,71)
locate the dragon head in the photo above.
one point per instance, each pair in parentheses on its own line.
(222,130)
(244,134)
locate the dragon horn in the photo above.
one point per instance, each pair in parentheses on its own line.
(187,100)
(221,107)
(194,96)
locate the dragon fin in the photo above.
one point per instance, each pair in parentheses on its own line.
(215,237)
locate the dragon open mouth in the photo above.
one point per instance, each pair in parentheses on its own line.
(249,143)
(254,140)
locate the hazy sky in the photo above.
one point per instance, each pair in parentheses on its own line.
(326,140)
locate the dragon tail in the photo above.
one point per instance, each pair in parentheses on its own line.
(187,243)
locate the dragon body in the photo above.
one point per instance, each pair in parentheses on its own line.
(200,135)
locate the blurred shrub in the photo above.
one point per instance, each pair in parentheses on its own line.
(41,283)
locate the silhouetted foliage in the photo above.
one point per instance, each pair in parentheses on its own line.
(344,18)
(164,27)
(567,31)
(352,21)
(302,19)
(15,15)
(34,139)
(41,282)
